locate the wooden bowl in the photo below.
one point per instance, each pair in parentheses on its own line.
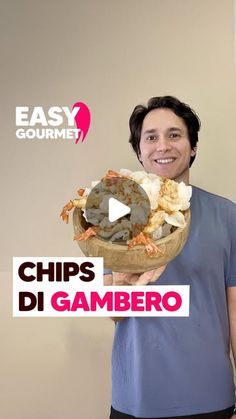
(119,258)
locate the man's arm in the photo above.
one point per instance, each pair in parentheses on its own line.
(231,298)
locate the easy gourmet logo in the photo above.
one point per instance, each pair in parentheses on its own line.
(57,122)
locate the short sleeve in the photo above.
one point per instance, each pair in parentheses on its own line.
(231,277)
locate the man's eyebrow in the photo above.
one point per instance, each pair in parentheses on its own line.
(174,129)
(154,130)
(151,131)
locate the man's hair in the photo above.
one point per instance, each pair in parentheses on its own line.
(181,109)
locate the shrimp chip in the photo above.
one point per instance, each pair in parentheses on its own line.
(175,219)
(185,193)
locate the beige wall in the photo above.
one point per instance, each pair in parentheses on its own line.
(112,55)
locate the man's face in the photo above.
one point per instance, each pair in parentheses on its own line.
(165,148)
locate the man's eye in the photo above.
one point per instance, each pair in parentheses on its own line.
(152,138)
(174,135)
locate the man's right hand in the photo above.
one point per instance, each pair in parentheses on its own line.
(142,278)
(120,278)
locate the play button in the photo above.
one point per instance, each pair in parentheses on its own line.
(119,208)
(116,209)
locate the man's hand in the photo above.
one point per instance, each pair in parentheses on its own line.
(120,278)
(142,278)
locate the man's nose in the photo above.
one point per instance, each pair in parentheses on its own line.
(163,144)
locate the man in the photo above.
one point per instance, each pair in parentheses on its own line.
(180,367)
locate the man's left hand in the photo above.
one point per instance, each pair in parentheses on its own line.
(143,278)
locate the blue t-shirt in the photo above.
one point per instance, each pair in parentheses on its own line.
(164,366)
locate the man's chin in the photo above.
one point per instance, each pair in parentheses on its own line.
(161,171)
(169,173)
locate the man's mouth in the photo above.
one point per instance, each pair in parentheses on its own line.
(165,161)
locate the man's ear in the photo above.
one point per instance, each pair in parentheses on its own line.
(194,151)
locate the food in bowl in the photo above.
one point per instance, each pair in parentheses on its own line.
(169,214)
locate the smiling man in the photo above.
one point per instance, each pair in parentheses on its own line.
(164,136)
(165,148)
(180,367)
